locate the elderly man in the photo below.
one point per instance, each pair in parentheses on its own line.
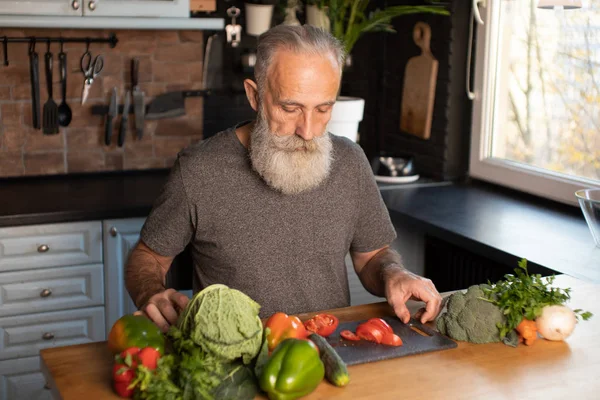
(271,207)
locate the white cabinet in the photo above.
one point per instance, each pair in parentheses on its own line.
(50,245)
(41,7)
(22,379)
(97,8)
(50,289)
(120,236)
(136,8)
(51,294)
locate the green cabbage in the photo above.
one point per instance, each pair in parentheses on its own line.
(223,322)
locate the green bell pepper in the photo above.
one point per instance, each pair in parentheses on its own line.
(294,370)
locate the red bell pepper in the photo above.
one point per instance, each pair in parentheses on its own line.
(283,326)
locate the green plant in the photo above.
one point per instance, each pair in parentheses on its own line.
(349,20)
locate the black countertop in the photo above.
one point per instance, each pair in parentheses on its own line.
(497,223)
(43,200)
(500,224)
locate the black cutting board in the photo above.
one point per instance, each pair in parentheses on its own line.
(360,352)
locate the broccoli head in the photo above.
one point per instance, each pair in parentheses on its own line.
(470,319)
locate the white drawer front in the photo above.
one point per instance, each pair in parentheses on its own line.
(51,245)
(26,335)
(21,379)
(26,292)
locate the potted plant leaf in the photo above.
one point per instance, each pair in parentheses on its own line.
(348,20)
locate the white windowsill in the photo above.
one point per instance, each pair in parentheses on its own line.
(28,21)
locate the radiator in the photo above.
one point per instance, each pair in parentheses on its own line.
(451,267)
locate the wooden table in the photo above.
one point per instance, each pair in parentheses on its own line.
(555,370)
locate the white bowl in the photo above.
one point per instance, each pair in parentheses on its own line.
(589,201)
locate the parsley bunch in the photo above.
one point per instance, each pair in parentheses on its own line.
(523,296)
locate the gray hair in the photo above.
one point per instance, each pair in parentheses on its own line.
(304,39)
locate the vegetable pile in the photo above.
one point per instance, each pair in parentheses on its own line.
(513,310)
(219,350)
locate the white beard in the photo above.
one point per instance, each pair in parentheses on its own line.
(282,166)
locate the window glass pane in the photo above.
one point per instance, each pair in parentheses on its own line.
(547,100)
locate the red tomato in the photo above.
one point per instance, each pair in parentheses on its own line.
(322,324)
(149,357)
(122,389)
(391,339)
(133,352)
(381,324)
(349,335)
(369,332)
(122,373)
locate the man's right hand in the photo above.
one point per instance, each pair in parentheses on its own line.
(164,308)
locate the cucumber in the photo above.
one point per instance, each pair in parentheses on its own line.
(336,371)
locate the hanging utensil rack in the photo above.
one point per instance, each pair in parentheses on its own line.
(111,40)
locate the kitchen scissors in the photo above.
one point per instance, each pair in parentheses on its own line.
(90,70)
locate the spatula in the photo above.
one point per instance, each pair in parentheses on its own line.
(50,112)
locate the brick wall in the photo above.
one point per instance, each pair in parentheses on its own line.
(169,60)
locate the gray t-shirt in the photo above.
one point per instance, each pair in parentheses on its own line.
(285,251)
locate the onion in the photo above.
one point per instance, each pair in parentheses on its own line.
(556,322)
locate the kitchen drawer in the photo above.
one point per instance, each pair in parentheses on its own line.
(50,245)
(21,379)
(26,335)
(34,291)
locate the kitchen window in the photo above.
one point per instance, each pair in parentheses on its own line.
(536,109)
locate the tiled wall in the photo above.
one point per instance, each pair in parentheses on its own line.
(169,60)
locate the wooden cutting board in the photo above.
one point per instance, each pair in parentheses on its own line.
(362,351)
(418,92)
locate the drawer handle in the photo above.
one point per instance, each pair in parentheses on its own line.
(48,336)
(45,293)
(43,248)
(113,231)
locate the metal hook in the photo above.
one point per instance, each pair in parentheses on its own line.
(87,45)
(32,44)
(61,44)
(48,46)
(5,48)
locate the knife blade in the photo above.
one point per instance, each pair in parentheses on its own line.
(124,119)
(172,104)
(138,99)
(112,112)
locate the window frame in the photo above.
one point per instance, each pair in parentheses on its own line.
(482,166)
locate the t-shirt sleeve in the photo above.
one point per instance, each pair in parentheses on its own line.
(374,228)
(169,227)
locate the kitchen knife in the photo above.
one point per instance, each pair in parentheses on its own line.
(172,104)
(112,112)
(124,119)
(138,99)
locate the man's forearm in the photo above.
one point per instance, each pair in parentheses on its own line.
(374,274)
(144,276)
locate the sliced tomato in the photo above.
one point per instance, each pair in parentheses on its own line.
(322,324)
(369,332)
(392,339)
(381,324)
(349,335)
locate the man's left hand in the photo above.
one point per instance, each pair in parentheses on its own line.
(402,285)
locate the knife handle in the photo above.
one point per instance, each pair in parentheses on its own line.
(108,129)
(122,130)
(35,89)
(135,67)
(196,93)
